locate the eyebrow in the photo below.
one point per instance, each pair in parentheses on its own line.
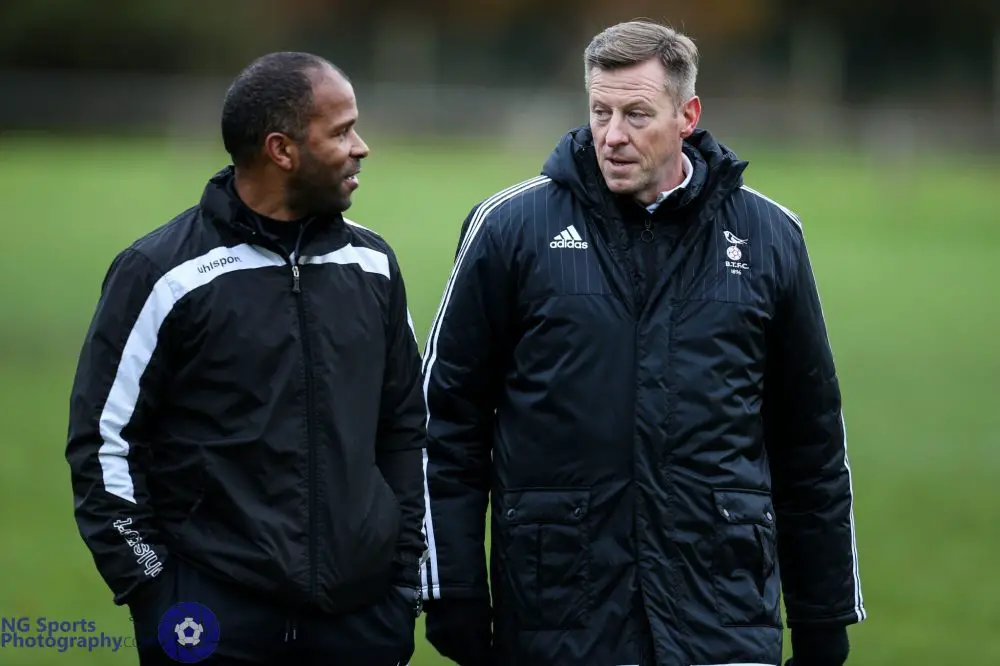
(344,124)
(631,103)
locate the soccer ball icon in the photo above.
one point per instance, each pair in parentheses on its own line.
(188,631)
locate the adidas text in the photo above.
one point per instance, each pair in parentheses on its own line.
(562,242)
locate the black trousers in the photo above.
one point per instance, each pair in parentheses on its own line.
(240,629)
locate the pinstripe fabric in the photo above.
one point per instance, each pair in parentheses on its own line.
(657,409)
(429,570)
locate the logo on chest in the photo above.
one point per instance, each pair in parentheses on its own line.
(735,262)
(568,238)
(219,263)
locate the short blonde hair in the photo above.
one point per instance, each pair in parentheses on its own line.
(635,42)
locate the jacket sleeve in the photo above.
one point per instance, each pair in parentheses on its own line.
(807,449)
(462,365)
(115,388)
(401,433)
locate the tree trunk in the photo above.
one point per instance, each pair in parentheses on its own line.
(817,60)
(816,77)
(996,80)
(405,48)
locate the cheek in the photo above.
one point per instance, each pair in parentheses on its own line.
(661,141)
(329,153)
(598,132)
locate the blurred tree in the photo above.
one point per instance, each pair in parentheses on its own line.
(707,20)
(827,49)
(151,35)
(850,51)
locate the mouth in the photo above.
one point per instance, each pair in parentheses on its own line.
(352,178)
(618,163)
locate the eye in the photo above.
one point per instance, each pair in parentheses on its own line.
(342,131)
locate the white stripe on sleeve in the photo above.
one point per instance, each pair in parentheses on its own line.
(429,575)
(141,343)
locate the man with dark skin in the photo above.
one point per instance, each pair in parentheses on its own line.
(246,424)
(292,178)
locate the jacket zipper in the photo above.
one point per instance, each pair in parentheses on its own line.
(647,232)
(636,453)
(292,625)
(635,313)
(296,260)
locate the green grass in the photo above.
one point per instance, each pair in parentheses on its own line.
(905,259)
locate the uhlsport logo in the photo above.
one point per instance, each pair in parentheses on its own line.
(145,556)
(219,263)
(569,238)
(189,632)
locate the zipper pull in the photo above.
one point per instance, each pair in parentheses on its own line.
(647,233)
(295,279)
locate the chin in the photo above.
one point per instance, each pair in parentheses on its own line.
(619,186)
(337,202)
(329,207)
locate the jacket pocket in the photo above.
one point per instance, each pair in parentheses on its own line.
(746,579)
(186,534)
(546,554)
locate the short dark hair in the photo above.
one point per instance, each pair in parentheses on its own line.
(273,94)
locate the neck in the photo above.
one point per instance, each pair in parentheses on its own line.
(674,175)
(260,196)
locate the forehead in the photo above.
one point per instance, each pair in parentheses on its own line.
(645,81)
(333,96)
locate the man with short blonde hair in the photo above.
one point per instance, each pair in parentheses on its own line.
(636,42)
(630,366)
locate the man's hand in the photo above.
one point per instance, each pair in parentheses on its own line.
(460,629)
(819,646)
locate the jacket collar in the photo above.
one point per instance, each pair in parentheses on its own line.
(223,207)
(717,171)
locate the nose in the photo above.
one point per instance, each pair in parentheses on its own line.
(617,133)
(360,149)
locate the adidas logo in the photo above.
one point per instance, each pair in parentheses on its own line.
(569,238)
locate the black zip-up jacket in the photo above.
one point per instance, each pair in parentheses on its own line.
(254,411)
(650,405)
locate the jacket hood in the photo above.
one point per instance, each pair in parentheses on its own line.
(573,164)
(221,203)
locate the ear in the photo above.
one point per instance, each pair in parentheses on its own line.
(281,150)
(691,112)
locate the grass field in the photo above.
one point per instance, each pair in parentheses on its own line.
(902,253)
